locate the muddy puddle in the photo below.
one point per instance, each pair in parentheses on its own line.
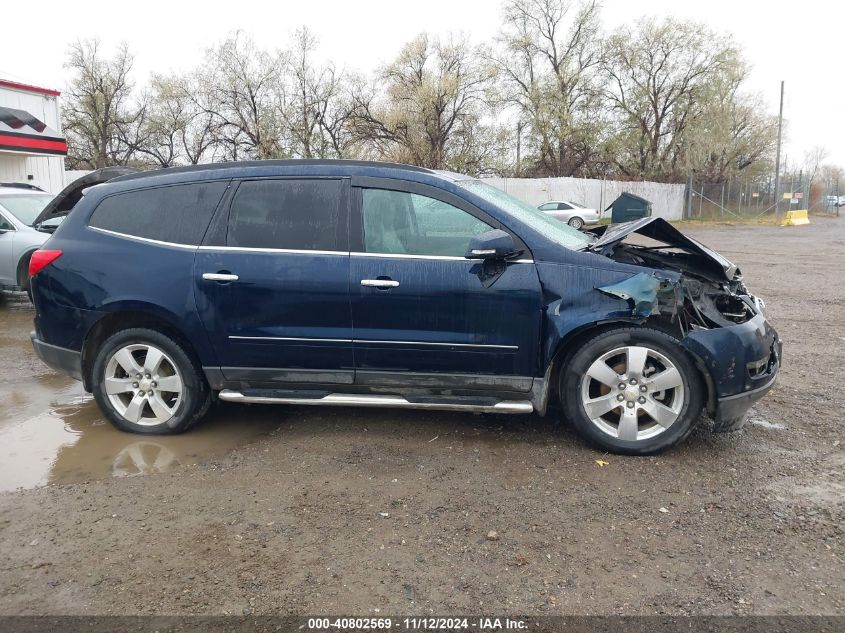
(51,431)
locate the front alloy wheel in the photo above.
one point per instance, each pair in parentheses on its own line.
(631,390)
(632,393)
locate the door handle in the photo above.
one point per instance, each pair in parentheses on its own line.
(379,283)
(219,277)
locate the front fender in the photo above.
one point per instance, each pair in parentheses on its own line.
(573,301)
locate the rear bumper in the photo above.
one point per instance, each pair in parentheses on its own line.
(61,359)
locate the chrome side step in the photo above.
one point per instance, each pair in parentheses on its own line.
(371,400)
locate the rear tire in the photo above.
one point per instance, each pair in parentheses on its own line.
(23,275)
(632,391)
(576,222)
(145,382)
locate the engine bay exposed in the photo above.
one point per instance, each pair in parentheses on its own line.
(706,292)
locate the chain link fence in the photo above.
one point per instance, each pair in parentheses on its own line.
(751,198)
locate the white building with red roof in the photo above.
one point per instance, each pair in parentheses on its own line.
(32,148)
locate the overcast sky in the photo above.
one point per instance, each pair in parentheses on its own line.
(801,43)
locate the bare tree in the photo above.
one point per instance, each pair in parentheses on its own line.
(315,104)
(430,106)
(547,58)
(813,161)
(99,116)
(242,83)
(658,75)
(732,134)
(177,129)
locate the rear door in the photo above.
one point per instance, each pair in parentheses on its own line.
(272,282)
(423,314)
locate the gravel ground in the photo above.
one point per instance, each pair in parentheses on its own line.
(377,511)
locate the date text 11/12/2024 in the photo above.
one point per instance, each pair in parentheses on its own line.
(417,623)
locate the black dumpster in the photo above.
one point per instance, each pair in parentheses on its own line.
(629,207)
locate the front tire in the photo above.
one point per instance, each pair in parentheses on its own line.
(632,391)
(145,382)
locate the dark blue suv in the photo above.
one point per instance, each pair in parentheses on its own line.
(357,283)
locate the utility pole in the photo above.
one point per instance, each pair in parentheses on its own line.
(777,156)
(689,196)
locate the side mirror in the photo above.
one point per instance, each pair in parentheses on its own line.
(495,244)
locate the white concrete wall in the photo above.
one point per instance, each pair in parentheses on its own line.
(667,200)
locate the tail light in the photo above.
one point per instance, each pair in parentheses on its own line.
(42,258)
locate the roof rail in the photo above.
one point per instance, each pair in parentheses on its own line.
(20,185)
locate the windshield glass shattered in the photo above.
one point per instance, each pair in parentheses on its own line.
(551,228)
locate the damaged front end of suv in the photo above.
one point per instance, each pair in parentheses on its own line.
(700,296)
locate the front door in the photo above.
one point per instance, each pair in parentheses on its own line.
(424,315)
(272,286)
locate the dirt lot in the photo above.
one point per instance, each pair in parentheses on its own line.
(297,510)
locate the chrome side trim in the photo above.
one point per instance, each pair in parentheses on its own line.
(368,400)
(290,338)
(444,258)
(438,344)
(288,251)
(146,240)
(349,340)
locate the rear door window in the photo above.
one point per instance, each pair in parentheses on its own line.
(290,214)
(178,214)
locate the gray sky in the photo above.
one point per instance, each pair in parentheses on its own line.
(802,43)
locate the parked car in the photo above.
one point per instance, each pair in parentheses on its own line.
(357,283)
(20,204)
(572,213)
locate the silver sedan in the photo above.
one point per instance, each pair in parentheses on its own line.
(19,206)
(572,213)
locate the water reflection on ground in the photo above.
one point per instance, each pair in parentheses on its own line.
(51,431)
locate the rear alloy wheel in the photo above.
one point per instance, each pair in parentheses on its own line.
(576,222)
(632,391)
(146,383)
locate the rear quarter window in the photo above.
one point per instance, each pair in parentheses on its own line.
(179,213)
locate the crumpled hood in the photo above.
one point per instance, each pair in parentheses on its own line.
(658,229)
(67,198)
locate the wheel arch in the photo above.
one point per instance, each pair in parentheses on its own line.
(124,318)
(570,342)
(22,267)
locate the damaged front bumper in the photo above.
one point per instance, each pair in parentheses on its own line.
(740,361)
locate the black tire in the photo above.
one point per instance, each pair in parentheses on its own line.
(578,363)
(576,222)
(23,275)
(196,395)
